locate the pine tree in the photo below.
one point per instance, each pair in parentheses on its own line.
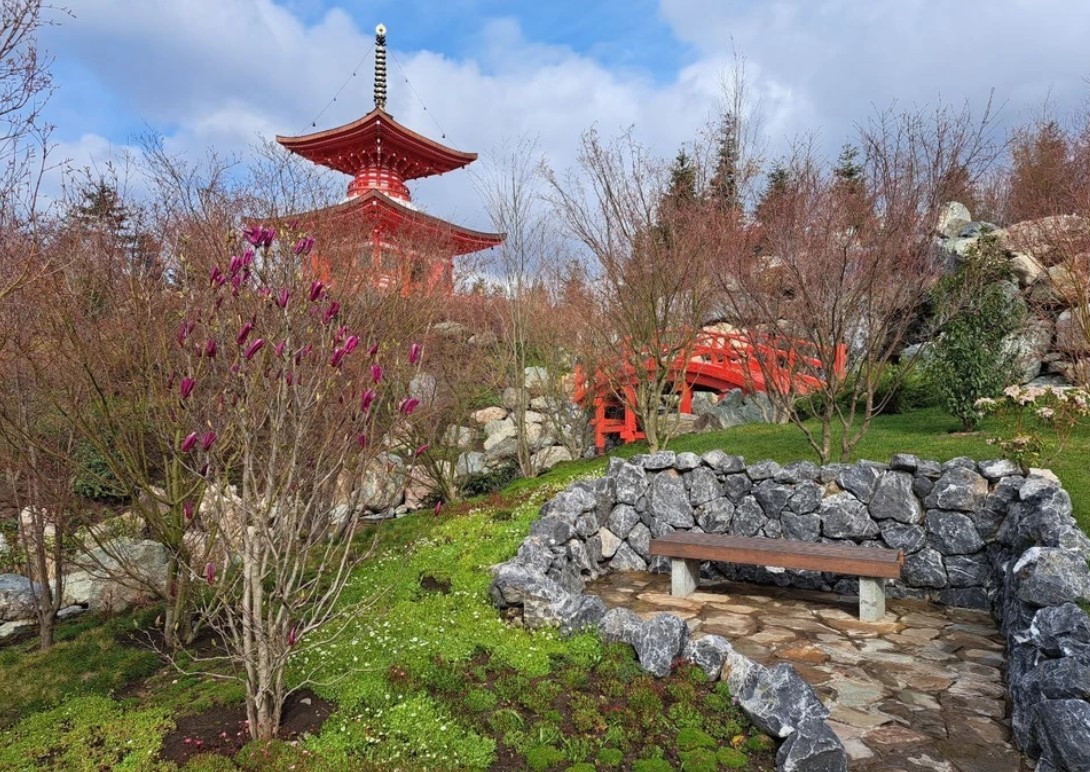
(778,185)
(723,186)
(682,187)
(102,214)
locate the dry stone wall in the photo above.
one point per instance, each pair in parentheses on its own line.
(975,534)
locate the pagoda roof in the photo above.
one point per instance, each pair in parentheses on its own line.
(375,203)
(376,140)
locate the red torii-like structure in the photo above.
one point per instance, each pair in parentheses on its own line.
(717,362)
(399,245)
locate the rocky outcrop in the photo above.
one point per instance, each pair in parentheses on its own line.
(1040,255)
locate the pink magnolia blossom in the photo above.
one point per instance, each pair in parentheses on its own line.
(316,288)
(210,572)
(244,332)
(350,343)
(376,373)
(259,235)
(208,439)
(438,508)
(366,398)
(279,348)
(303,352)
(185,388)
(372,351)
(215,276)
(361,440)
(303,246)
(293,636)
(331,312)
(282,297)
(187,510)
(184,330)
(414,353)
(336,359)
(289,377)
(420,451)
(189,442)
(234,266)
(210,348)
(253,348)
(408,405)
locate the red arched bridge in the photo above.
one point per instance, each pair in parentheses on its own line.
(716,362)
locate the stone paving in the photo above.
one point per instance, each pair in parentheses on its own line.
(919,690)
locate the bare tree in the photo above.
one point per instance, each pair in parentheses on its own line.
(510,185)
(652,279)
(844,269)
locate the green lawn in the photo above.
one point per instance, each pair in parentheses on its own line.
(426,674)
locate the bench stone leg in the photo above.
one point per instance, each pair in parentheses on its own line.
(684,574)
(872,599)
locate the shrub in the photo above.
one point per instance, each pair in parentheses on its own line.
(977,312)
(490,481)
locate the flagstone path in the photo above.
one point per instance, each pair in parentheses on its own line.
(921,690)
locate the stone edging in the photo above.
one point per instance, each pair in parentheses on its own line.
(975,534)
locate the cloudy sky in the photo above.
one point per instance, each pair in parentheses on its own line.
(222,73)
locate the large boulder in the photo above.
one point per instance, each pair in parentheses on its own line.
(813,747)
(708,653)
(1048,239)
(118,575)
(776,699)
(1062,728)
(1029,347)
(953,533)
(1051,576)
(959,488)
(1073,330)
(550,457)
(518,584)
(893,499)
(16,597)
(669,502)
(953,217)
(845,517)
(660,642)
(379,488)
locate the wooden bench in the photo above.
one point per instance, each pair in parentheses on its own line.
(873,565)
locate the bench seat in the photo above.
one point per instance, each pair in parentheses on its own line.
(873,565)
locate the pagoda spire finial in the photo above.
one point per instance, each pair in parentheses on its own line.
(380,67)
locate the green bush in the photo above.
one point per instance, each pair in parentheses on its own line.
(93,479)
(976,311)
(490,481)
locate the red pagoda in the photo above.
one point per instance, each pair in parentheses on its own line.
(396,245)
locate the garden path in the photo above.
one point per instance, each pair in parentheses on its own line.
(919,690)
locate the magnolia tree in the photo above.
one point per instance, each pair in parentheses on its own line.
(279,402)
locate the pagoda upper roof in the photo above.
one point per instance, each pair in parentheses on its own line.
(377,140)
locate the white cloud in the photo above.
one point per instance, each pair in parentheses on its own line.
(221,72)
